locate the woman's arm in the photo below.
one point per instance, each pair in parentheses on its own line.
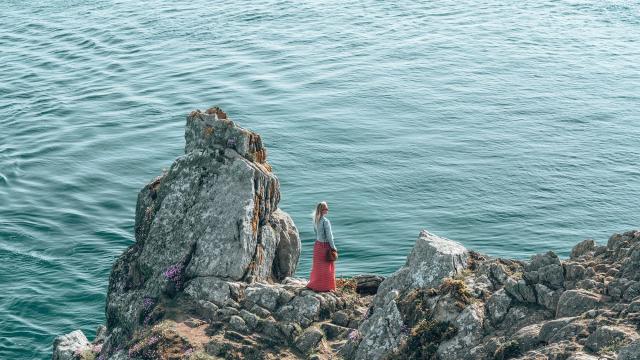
(328,234)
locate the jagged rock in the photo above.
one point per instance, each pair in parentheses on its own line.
(308,340)
(550,328)
(556,351)
(547,297)
(523,315)
(582,248)
(65,347)
(238,324)
(632,292)
(303,309)
(527,337)
(368,284)
(209,289)
(575,302)
(469,324)
(381,330)
(630,351)
(432,259)
(546,269)
(264,295)
(332,331)
(211,219)
(520,290)
(582,356)
(617,287)
(607,335)
(498,305)
(341,318)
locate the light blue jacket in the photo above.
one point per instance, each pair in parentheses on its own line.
(323,232)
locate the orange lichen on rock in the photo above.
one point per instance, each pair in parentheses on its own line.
(208,131)
(216,111)
(256,213)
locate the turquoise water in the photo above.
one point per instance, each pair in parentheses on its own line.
(509,126)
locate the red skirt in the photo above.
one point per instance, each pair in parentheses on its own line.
(323,272)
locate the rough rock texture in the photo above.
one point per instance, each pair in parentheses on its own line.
(586,307)
(69,346)
(432,259)
(210,277)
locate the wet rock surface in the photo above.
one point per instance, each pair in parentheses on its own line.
(211,276)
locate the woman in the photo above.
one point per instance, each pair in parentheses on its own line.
(323,272)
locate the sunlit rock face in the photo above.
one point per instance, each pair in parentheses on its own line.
(213,214)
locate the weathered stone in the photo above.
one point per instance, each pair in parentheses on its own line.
(209,289)
(630,351)
(498,305)
(250,319)
(66,346)
(547,297)
(551,276)
(264,295)
(367,284)
(332,331)
(213,217)
(308,340)
(583,248)
(527,337)
(520,290)
(341,318)
(469,325)
(432,259)
(523,315)
(575,302)
(238,324)
(550,328)
(206,309)
(381,330)
(574,272)
(303,309)
(632,291)
(607,335)
(617,287)
(539,261)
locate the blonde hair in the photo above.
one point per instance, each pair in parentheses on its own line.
(317,214)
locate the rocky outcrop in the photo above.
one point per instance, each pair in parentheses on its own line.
(585,307)
(211,276)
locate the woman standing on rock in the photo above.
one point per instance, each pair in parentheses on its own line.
(323,271)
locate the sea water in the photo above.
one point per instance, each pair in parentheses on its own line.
(512,127)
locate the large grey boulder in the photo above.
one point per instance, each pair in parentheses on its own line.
(431,260)
(212,218)
(575,302)
(66,347)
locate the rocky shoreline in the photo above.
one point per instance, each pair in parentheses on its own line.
(210,277)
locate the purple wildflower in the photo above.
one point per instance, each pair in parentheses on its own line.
(135,348)
(152,340)
(101,357)
(354,335)
(174,273)
(148,303)
(404,329)
(97,348)
(188,352)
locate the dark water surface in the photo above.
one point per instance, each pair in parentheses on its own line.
(512,127)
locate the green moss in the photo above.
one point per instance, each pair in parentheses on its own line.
(87,355)
(424,339)
(458,291)
(508,350)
